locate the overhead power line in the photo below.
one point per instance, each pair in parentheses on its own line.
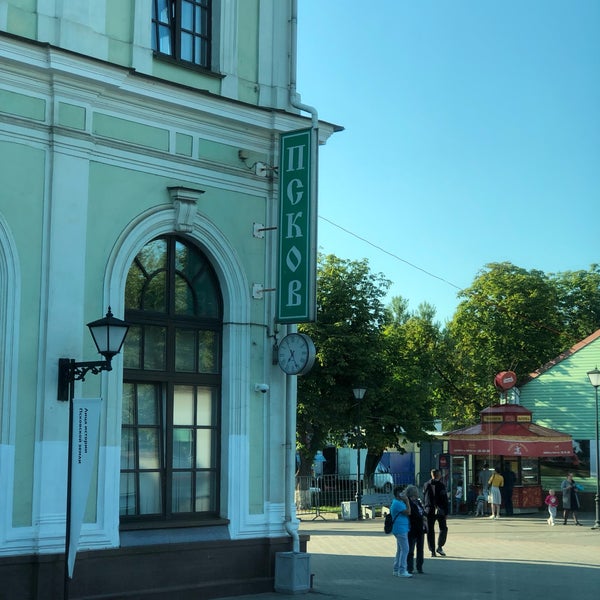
(407,262)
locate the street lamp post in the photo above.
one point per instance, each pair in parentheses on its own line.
(109,335)
(359,394)
(594,376)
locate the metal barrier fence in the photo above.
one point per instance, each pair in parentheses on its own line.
(316,495)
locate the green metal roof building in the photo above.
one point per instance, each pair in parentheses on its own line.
(561,397)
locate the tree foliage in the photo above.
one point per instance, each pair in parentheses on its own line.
(361,343)
(347,336)
(512,319)
(414,369)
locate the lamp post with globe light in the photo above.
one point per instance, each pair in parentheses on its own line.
(594,376)
(359,394)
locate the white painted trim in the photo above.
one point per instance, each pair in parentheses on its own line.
(236,358)
(10,301)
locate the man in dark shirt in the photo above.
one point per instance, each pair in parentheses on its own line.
(507,490)
(435,499)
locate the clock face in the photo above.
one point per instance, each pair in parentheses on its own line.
(296,354)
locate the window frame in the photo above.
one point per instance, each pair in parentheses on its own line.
(177,30)
(166,380)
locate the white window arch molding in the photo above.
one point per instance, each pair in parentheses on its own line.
(10,291)
(236,361)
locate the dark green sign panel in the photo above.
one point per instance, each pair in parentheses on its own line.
(297,227)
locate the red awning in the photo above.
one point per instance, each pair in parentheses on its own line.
(507,430)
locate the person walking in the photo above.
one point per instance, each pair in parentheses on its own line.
(435,500)
(400,510)
(495,483)
(551,502)
(416,533)
(570,499)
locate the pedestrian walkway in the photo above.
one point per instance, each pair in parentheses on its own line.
(512,558)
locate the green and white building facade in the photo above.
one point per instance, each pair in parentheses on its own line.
(139,144)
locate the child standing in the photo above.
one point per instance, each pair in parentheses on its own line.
(552,502)
(458,496)
(480,511)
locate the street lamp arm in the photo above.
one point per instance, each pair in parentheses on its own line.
(70,371)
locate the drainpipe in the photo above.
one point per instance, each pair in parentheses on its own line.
(294,100)
(291,527)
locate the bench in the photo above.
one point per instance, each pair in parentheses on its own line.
(370,502)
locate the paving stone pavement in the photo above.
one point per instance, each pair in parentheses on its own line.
(512,558)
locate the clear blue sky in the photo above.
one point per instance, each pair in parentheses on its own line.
(472,135)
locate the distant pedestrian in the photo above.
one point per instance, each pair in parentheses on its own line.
(400,509)
(416,533)
(495,483)
(570,499)
(480,501)
(472,499)
(435,499)
(482,478)
(551,502)
(458,496)
(507,490)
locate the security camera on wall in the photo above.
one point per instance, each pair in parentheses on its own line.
(263,388)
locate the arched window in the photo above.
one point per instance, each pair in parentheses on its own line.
(172,385)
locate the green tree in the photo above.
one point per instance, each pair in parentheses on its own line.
(578,303)
(348,339)
(508,320)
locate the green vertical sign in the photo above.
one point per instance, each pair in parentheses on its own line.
(296,285)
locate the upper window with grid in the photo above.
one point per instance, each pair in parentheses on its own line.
(181,29)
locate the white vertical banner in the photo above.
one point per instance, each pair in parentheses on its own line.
(86,426)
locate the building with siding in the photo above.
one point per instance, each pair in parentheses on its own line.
(561,397)
(138,149)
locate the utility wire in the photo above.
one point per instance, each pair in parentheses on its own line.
(494,305)
(362,239)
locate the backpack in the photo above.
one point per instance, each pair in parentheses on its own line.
(388,522)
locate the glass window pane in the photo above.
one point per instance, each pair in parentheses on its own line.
(198,20)
(164,34)
(205,499)
(186,46)
(147,404)
(155,294)
(183,405)
(150,495)
(207,291)
(148,448)
(198,55)
(187,14)
(128,449)
(182,492)
(127,494)
(185,301)
(128,406)
(163,10)
(208,352)
(182,448)
(132,348)
(185,350)
(204,406)
(134,287)
(204,449)
(154,348)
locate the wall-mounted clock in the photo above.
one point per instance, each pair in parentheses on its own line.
(296,354)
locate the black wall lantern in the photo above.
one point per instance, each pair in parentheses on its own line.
(109,335)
